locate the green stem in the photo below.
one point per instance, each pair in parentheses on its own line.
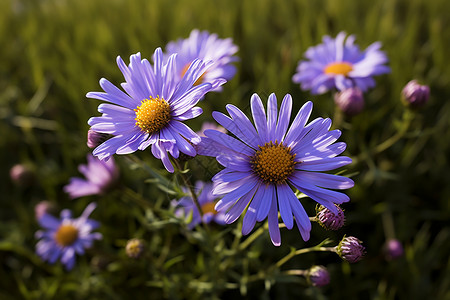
(303,251)
(252,238)
(388,225)
(186,182)
(407,117)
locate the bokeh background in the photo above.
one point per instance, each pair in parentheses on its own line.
(55,51)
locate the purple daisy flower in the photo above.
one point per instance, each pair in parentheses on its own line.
(266,161)
(65,237)
(341,65)
(152,110)
(100,177)
(205,46)
(206,199)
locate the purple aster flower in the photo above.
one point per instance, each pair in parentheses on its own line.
(152,110)
(100,177)
(65,237)
(206,199)
(267,160)
(338,63)
(205,46)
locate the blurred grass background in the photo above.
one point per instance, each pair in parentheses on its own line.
(55,51)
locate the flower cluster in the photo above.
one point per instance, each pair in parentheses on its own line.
(269,163)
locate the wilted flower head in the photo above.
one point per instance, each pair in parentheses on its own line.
(186,206)
(134,248)
(415,94)
(22,175)
(100,177)
(350,101)
(339,63)
(328,219)
(207,47)
(95,138)
(65,237)
(153,109)
(318,276)
(265,161)
(350,249)
(393,249)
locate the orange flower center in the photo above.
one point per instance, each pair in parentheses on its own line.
(184,70)
(209,208)
(273,162)
(152,115)
(66,235)
(338,68)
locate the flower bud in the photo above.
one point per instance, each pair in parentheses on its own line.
(415,95)
(328,219)
(134,248)
(42,208)
(350,249)
(318,276)
(22,175)
(350,101)
(95,138)
(393,249)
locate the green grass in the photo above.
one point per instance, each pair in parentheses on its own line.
(54,52)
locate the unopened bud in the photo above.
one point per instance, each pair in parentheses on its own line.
(42,208)
(318,276)
(95,138)
(393,249)
(22,175)
(350,249)
(350,101)
(415,95)
(328,219)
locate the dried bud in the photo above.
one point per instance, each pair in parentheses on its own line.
(22,175)
(415,95)
(328,219)
(95,138)
(350,101)
(393,249)
(350,249)
(134,248)
(318,276)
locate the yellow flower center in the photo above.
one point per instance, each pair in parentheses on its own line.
(209,208)
(66,235)
(273,162)
(184,70)
(338,68)
(152,115)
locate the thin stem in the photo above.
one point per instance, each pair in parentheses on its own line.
(396,137)
(388,225)
(189,186)
(303,251)
(252,238)
(296,272)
